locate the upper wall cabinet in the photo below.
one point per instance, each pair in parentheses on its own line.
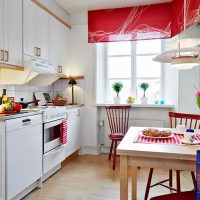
(35,31)
(58,44)
(11,32)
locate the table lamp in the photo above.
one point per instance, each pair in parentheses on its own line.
(72,82)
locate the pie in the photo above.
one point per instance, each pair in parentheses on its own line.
(156,133)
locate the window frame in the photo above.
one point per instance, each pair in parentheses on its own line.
(134,78)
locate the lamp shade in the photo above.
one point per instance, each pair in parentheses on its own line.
(72,82)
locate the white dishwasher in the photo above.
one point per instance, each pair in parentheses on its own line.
(23,153)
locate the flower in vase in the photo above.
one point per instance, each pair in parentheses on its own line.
(197,98)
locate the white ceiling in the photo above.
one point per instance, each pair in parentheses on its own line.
(80,6)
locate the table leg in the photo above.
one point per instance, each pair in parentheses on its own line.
(134,182)
(123,178)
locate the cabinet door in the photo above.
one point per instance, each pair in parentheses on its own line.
(53,42)
(13,32)
(64,33)
(1,31)
(30,28)
(73,136)
(42,33)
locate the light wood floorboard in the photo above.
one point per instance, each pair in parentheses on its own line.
(90,177)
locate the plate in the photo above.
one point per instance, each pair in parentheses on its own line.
(195,142)
(141,133)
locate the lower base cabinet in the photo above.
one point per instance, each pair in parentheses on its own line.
(74,134)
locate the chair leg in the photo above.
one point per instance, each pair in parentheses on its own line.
(148,184)
(170,178)
(111,148)
(115,154)
(194,181)
(178,184)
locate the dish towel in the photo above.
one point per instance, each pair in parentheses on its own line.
(63,132)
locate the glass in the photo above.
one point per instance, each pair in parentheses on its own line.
(119,67)
(146,67)
(148,46)
(125,92)
(52,133)
(119,48)
(154,90)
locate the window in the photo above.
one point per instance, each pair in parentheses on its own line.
(118,55)
(146,69)
(131,63)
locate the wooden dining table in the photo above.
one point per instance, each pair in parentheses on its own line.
(167,156)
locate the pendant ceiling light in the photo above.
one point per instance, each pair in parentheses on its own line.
(181,58)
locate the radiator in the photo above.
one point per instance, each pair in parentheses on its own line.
(147,123)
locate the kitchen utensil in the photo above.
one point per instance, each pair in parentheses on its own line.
(25,103)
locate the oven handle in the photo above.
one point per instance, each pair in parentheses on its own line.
(52,124)
(55,151)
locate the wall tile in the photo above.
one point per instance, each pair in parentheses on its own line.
(11,87)
(58,86)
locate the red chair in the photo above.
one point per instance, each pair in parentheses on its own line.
(190,121)
(118,118)
(191,195)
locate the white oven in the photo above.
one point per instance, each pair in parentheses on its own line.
(52,147)
(52,135)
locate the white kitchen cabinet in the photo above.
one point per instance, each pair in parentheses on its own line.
(53,41)
(11,32)
(35,31)
(1,31)
(74,137)
(58,44)
(64,44)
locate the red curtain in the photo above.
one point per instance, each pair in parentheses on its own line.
(192,12)
(142,22)
(136,23)
(177,17)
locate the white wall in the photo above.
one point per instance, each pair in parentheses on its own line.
(82,62)
(188,80)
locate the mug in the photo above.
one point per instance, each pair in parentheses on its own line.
(189,136)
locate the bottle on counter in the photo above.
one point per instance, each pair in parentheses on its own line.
(4,96)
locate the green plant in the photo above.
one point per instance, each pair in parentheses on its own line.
(144,87)
(117,87)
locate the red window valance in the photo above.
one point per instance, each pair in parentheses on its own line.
(142,22)
(136,23)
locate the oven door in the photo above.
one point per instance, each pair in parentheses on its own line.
(52,135)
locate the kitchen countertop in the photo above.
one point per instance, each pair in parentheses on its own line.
(4,117)
(32,111)
(73,106)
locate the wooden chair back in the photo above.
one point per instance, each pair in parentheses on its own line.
(189,120)
(118,118)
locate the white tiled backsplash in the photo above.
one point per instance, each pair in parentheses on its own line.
(60,86)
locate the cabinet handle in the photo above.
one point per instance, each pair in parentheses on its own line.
(7,56)
(35,51)
(2,55)
(78,112)
(39,50)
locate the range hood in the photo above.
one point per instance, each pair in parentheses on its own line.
(36,73)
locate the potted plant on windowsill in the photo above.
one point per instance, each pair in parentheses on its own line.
(117,87)
(144,87)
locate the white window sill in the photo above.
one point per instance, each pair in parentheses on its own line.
(137,105)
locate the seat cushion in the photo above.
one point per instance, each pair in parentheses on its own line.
(191,195)
(118,136)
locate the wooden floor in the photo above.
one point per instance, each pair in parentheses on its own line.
(92,178)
